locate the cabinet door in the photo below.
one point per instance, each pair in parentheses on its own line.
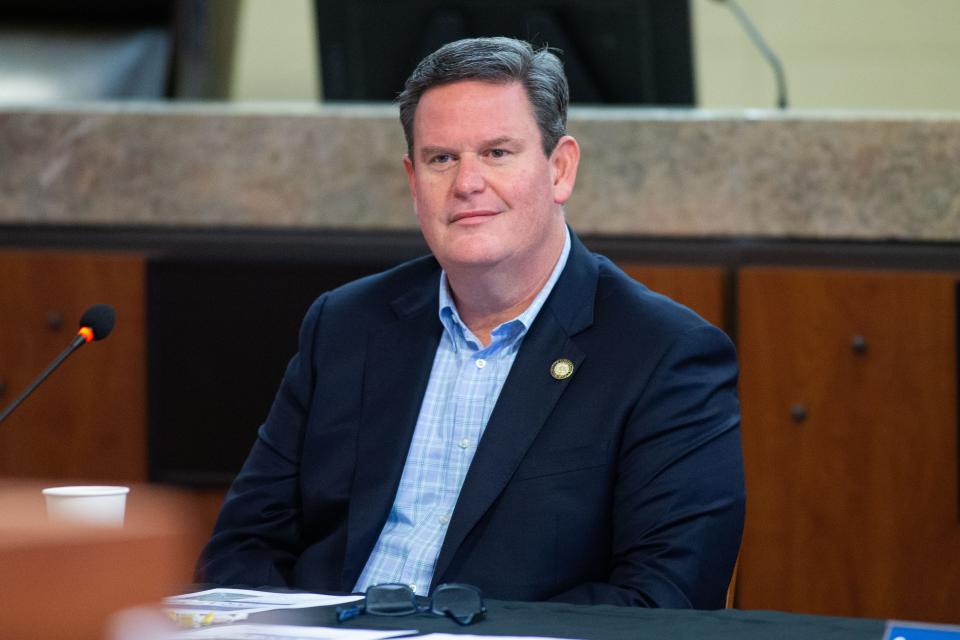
(848,389)
(703,289)
(87,421)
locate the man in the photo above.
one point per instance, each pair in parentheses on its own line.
(513,412)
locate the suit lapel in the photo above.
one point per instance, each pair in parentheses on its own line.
(397,369)
(527,399)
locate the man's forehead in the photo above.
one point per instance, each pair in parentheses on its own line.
(489,109)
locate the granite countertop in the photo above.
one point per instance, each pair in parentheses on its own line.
(656,173)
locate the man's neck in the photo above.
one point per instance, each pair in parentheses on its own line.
(487,297)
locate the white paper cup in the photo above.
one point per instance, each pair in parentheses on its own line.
(96,506)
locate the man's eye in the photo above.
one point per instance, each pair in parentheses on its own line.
(440,158)
(499,153)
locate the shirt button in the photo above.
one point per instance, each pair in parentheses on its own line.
(481,363)
(464,443)
(443,519)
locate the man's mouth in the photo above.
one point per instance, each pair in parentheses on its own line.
(474,215)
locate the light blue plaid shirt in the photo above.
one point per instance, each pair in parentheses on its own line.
(464,385)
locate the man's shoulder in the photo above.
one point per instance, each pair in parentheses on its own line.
(393,281)
(630,301)
(635,325)
(377,293)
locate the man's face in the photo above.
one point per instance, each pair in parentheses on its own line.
(484,192)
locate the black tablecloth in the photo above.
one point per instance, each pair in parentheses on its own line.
(607,623)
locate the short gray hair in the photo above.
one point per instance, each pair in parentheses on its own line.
(497,60)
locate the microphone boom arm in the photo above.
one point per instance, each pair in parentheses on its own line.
(75,344)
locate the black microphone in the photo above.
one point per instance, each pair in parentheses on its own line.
(96,323)
(754,34)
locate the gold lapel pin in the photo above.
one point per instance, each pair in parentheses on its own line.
(561,369)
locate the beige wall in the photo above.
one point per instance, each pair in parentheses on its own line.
(848,54)
(276,52)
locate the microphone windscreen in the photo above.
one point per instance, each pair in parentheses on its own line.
(100,318)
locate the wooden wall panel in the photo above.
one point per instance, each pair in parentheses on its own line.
(852,509)
(88,421)
(703,289)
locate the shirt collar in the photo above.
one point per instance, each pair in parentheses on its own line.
(510,330)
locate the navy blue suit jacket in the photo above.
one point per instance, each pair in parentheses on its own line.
(621,484)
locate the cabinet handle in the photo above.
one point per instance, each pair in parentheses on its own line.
(798,412)
(55,320)
(859,344)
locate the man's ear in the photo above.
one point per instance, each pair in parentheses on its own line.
(411,182)
(563,168)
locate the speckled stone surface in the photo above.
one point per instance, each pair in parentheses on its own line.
(643,173)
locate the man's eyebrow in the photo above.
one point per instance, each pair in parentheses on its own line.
(426,152)
(432,150)
(502,140)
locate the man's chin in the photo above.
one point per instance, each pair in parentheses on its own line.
(472,253)
(471,263)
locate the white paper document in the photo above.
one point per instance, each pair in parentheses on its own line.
(229,605)
(284,632)
(450,636)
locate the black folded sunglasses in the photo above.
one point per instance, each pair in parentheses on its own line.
(462,603)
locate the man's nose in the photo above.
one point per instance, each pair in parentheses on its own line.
(469,178)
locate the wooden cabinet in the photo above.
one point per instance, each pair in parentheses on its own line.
(849,396)
(87,421)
